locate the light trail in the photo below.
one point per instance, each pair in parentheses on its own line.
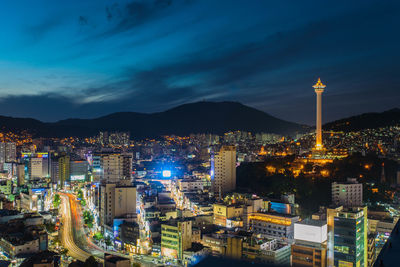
(67,232)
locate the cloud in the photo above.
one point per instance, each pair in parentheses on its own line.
(133,14)
(38,32)
(268,67)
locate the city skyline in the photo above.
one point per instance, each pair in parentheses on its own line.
(148,133)
(147,56)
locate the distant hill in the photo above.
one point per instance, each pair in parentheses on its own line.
(366,121)
(200,117)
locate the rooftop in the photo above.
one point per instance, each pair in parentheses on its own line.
(312,222)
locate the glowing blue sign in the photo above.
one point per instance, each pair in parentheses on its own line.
(166,173)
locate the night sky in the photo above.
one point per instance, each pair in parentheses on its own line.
(62,59)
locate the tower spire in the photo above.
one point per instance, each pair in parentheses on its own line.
(319,89)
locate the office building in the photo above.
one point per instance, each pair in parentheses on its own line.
(273,224)
(347,194)
(115,167)
(8,152)
(347,237)
(20,174)
(223,170)
(6,186)
(309,248)
(35,168)
(223,213)
(176,237)
(116,201)
(78,170)
(54,171)
(63,170)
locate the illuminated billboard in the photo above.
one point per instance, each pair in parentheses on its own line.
(77,177)
(169,252)
(311,233)
(36,155)
(166,173)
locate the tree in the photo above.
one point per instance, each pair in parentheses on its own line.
(108,241)
(56,201)
(80,194)
(98,236)
(64,251)
(88,218)
(50,227)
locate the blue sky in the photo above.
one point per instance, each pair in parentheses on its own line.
(62,59)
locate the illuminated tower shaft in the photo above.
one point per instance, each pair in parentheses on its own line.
(318,142)
(319,89)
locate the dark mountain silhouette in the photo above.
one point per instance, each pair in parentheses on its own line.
(366,121)
(200,117)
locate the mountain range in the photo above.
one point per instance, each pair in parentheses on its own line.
(200,117)
(371,120)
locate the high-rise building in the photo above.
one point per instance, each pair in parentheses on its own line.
(7,152)
(223,169)
(309,248)
(78,170)
(63,170)
(347,237)
(176,237)
(20,174)
(35,168)
(54,171)
(113,167)
(348,194)
(319,89)
(127,166)
(116,201)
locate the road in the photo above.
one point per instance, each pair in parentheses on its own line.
(75,239)
(67,234)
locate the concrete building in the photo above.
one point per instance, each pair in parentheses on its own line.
(309,248)
(176,237)
(347,237)
(78,170)
(347,194)
(222,213)
(266,251)
(273,224)
(20,174)
(223,170)
(116,201)
(54,171)
(6,186)
(8,152)
(35,168)
(63,170)
(115,167)
(190,185)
